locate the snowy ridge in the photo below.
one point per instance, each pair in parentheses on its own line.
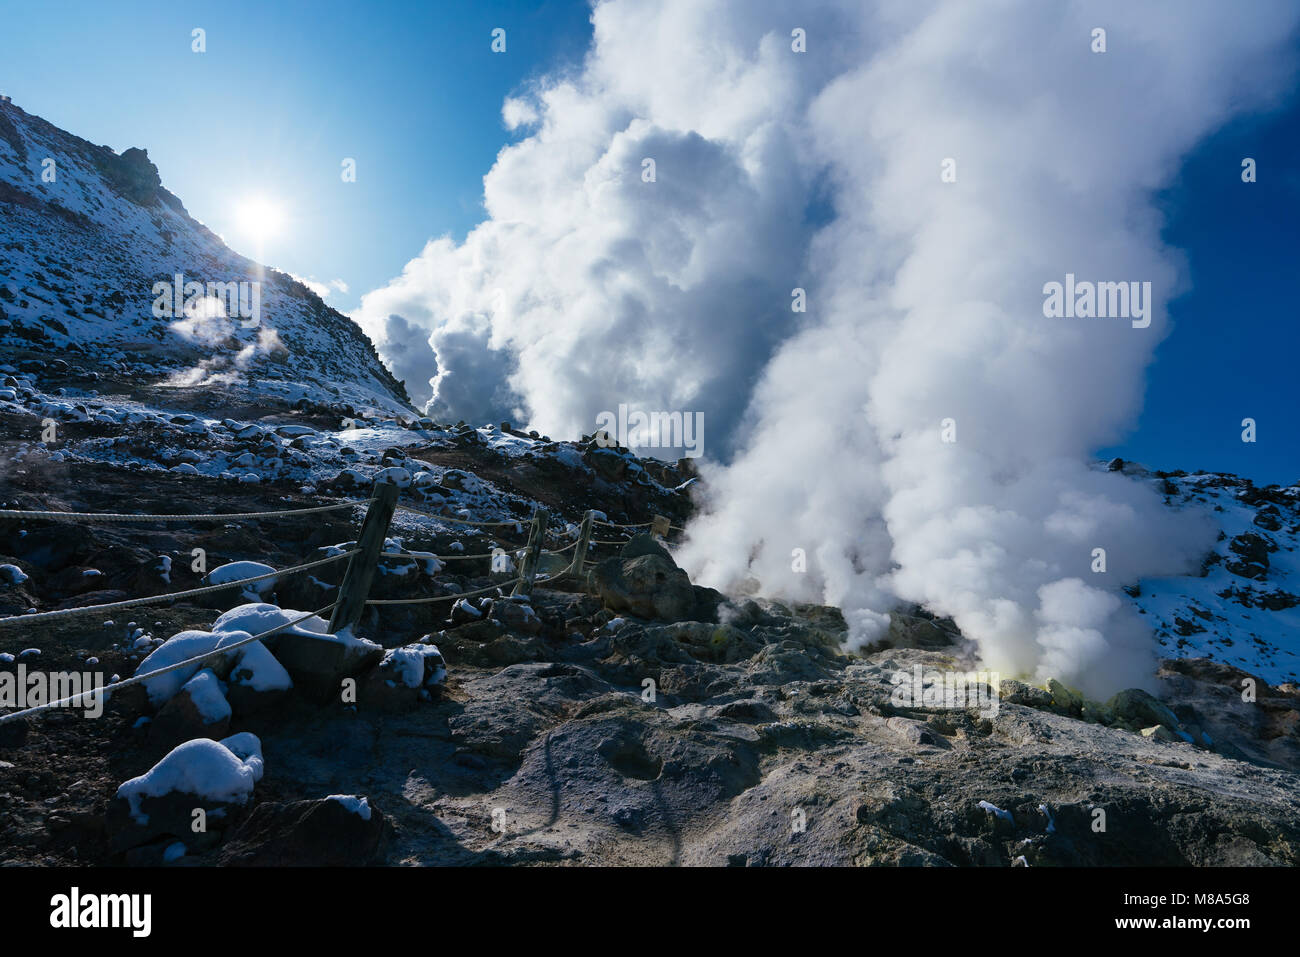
(1244,608)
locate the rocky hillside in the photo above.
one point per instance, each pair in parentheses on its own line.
(85,233)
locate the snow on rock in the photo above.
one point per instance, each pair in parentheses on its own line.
(359,806)
(415,665)
(428,561)
(256,668)
(205,691)
(210,770)
(257,617)
(315,660)
(997,811)
(394,476)
(181,647)
(235,571)
(11,575)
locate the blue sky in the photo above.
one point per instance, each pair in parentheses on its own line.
(287,90)
(1234,347)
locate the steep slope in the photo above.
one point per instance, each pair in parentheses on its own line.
(85,234)
(1243,609)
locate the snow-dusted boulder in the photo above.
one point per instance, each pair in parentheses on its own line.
(11,575)
(181,647)
(236,571)
(201,774)
(394,475)
(257,681)
(316,660)
(403,677)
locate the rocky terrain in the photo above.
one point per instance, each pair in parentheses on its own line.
(623,715)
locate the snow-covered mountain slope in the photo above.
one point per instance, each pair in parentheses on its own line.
(1245,608)
(86,234)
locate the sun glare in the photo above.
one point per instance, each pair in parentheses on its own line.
(260,218)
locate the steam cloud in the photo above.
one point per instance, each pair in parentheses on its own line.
(587,287)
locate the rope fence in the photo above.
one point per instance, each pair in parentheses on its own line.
(170,596)
(118,517)
(141,678)
(362,565)
(451,597)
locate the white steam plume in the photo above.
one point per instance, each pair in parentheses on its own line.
(588,287)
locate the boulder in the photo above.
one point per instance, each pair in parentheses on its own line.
(211,777)
(318,664)
(1140,709)
(1012,691)
(643,543)
(1160,733)
(167,818)
(1251,551)
(516,616)
(607,463)
(916,630)
(403,676)
(1070,702)
(337,831)
(257,682)
(650,586)
(198,710)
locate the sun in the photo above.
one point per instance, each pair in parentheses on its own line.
(260,218)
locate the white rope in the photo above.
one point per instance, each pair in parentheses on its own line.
(445,558)
(170,596)
(114,517)
(618,525)
(138,679)
(425,601)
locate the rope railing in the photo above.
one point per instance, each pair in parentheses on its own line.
(127,517)
(169,596)
(675,528)
(363,560)
(451,597)
(415,556)
(141,678)
(418,556)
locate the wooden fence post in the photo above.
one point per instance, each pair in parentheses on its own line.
(659,528)
(584,542)
(361,566)
(535,536)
